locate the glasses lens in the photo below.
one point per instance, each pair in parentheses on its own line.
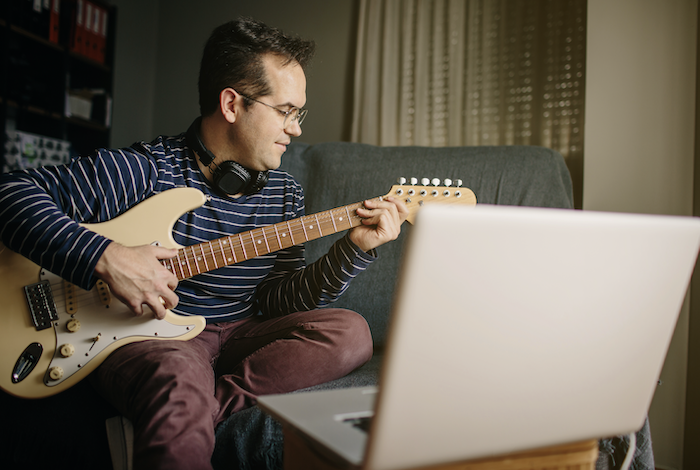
(295,114)
(301,115)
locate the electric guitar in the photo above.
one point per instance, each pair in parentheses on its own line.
(54,333)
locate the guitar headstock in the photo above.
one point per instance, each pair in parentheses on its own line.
(416,196)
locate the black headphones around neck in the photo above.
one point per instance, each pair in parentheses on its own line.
(230,177)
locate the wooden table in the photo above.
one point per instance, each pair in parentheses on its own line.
(298,455)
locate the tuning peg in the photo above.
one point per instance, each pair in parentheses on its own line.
(414,181)
(402,181)
(425,181)
(436,181)
(448,182)
(458,183)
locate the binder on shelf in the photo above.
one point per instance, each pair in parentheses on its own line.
(89,35)
(77,34)
(55,21)
(96,28)
(102,36)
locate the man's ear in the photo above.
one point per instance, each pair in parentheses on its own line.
(230,103)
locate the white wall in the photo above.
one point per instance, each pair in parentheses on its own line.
(639,147)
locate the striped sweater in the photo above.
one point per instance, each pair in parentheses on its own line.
(40,212)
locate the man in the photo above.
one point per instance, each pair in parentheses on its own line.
(265,332)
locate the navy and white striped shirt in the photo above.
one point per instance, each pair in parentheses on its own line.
(40,212)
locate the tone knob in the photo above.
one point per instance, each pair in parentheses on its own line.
(73,325)
(56,373)
(67,350)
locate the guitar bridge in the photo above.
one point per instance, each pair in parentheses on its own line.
(41,304)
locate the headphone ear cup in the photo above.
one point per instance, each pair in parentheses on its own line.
(260,182)
(231,178)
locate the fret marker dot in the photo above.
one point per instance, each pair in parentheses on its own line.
(259,242)
(229,259)
(311,227)
(341,219)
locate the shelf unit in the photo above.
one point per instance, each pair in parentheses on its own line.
(38,73)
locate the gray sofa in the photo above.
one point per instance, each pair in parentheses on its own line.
(333,174)
(336,174)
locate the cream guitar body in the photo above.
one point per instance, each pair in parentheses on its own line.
(37,362)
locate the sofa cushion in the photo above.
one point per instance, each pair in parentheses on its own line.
(340,173)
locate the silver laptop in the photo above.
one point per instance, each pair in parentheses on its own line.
(512,328)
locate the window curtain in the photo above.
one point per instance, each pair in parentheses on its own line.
(471,72)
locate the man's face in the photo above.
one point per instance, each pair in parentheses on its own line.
(259,137)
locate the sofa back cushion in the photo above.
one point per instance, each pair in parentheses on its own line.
(339,173)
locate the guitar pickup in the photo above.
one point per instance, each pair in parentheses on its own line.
(41,304)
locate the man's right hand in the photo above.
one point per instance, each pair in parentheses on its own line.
(137,278)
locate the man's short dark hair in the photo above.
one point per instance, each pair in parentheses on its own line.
(233,58)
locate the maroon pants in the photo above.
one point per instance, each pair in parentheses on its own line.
(176,392)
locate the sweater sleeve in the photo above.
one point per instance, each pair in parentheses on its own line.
(290,287)
(42,208)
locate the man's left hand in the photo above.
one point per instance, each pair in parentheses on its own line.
(381,222)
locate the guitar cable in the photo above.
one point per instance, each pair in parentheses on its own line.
(630,452)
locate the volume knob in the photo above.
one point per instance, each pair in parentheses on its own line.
(73,325)
(56,373)
(67,350)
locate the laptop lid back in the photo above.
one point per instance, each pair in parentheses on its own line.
(517,328)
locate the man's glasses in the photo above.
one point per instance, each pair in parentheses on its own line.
(294,114)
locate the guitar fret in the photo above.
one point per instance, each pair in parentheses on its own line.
(224,260)
(186,262)
(303,227)
(267,244)
(204,257)
(318,224)
(245,255)
(335,228)
(181,274)
(213,254)
(191,255)
(291,235)
(233,251)
(167,264)
(255,245)
(277,234)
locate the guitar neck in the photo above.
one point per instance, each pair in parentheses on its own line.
(232,249)
(204,257)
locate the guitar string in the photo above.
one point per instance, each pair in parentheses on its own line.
(297,227)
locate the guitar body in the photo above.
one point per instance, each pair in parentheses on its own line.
(105,322)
